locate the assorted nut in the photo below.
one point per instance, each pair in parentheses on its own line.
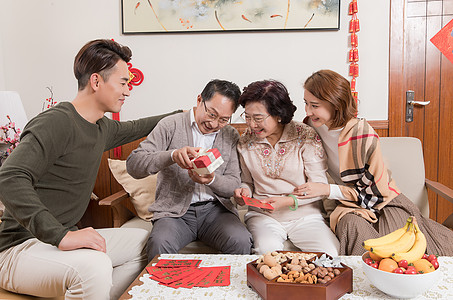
(293,267)
(298,277)
(325,274)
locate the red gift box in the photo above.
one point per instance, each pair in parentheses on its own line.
(207,161)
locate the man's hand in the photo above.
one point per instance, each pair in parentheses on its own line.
(238,193)
(201,179)
(83,238)
(184,155)
(312,189)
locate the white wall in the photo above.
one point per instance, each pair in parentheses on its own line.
(2,71)
(41,38)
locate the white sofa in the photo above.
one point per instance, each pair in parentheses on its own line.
(403,156)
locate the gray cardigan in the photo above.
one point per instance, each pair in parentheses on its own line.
(174,186)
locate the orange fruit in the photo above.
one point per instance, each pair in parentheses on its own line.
(374,256)
(423,266)
(388,265)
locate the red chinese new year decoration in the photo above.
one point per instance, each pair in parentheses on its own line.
(353,55)
(443,40)
(135,78)
(117,150)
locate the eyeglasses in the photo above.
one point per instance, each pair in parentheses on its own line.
(258,119)
(211,116)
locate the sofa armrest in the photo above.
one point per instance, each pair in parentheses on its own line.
(440,189)
(120,211)
(114,199)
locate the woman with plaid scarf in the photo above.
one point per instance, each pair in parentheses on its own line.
(368,202)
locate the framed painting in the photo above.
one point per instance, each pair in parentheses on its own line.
(164,16)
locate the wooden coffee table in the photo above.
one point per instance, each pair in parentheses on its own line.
(137,281)
(144,288)
(238,276)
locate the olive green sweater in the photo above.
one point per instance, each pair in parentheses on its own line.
(46,183)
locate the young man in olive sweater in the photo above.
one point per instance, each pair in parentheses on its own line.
(46,185)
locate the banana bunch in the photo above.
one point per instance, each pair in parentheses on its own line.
(398,241)
(417,250)
(387,239)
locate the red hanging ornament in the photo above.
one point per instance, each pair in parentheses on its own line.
(352,26)
(351,55)
(355,7)
(356,70)
(354,40)
(351,69)
(355,54)
(136,78)
(353,84)
(117,150)
(356,25)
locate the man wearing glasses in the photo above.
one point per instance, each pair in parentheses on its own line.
(189,206)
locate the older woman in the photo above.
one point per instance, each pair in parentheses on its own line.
(278,154)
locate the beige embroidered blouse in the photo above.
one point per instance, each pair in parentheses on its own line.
(269,171)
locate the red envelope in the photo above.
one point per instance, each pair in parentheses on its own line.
(172,276)
(209,279)
(151,270)
(190,283)
(193,275)
(177,263)
(256,203)
(170,272)
(223,279)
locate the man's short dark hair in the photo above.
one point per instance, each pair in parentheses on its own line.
(98,56)
(224,88)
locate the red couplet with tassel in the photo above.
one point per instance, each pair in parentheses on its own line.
(117,150)
(353,54)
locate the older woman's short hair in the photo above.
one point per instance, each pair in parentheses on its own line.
(273,95)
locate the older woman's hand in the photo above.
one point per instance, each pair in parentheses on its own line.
(312,189)
(278,203)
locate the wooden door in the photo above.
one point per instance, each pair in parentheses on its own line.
(416,64)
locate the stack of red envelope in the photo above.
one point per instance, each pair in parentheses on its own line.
(187,274)
(207,161)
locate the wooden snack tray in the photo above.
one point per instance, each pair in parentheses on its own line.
(273,290)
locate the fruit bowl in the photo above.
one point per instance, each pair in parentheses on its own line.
(400,285)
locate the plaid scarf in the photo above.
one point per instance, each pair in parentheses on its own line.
(368,183)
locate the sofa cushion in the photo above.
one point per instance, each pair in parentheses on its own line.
(142,191)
